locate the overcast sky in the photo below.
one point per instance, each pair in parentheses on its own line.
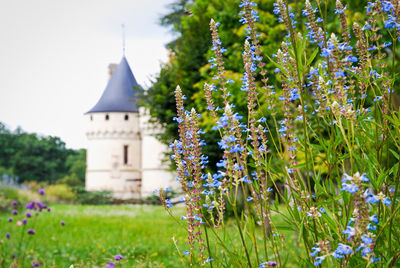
(54,56)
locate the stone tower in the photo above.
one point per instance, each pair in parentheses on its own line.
(114,153)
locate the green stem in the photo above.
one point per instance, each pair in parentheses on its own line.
(208,245)
(393,205)
(241,234)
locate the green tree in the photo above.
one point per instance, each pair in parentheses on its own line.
(32,157)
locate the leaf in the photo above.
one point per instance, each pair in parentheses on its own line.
(395,154)
(313,55)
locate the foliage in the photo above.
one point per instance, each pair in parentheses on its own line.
(190,51)
(70,180)
(9,194)
(328,129)
(93,197)
(60,193)
(31,157)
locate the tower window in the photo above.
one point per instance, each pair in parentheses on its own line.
(91,118)
(125,154)
(126,117)
(107,117)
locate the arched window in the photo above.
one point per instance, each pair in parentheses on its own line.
(126,117)
(107,117)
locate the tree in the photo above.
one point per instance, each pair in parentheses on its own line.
(32,157)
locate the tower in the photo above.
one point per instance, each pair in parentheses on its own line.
(114,153)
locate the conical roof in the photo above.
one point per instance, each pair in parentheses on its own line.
(121,91)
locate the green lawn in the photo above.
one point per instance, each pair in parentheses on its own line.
(93,235)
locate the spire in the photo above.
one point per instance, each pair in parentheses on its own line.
(123,39)
(121,91)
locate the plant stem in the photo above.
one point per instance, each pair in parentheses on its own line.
(241,234)
(208,245)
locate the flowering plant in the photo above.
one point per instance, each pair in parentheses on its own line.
(329,134)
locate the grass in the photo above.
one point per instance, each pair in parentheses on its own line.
(93,235)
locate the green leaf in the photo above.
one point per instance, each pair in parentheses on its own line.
(395,154)
(313,55)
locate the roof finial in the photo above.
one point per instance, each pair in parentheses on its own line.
(123,38)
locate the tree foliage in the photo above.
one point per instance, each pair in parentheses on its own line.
(32,157)
(188,64)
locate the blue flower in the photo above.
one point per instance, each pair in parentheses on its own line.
(343,249)
(387,6)
(340,73)
(315,252)
(349,231)
(168,203)
(346,178)
(186,252)
(374,219)
(221,163)
(366,239)
(351,188)
(339,11)
(209,259)
(386,201)
(372,260)
(372,199)
(318,260)
(325,53)
(249,199)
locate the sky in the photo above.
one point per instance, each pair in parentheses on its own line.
(54,58)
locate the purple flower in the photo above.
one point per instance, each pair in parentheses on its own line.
(24,221)
(118,257)
(31,232)
(28,215)
(41,191)
(14,203)
(36,264)
(110,265)
(41,205)
(15,212)
(10,219)
(31,205)
(62,223)
(8,235)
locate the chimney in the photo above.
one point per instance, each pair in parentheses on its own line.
(111,68)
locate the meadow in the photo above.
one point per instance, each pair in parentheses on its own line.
(93,235)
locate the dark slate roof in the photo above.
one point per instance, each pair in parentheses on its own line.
(121,93)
